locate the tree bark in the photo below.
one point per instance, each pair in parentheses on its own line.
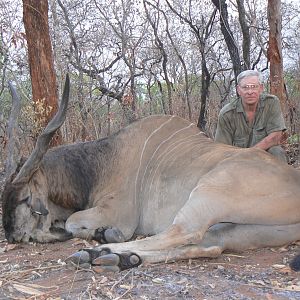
(41,63)
(275,53)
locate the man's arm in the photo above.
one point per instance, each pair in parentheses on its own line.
(223,133)
(273,139)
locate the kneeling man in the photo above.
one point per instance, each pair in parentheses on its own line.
(254,119)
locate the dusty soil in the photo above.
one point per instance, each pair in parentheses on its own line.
(37,271)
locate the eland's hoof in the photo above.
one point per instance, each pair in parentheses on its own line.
(109,235)
(79,258)
(114,235)
(86,256)
(107,260)
(123,261)
(135,260)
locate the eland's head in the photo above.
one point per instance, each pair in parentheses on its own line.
(23,208)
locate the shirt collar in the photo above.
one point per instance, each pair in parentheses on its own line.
(261,103)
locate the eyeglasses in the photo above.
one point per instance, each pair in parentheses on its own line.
(248,87)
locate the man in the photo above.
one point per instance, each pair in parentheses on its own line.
(254,119)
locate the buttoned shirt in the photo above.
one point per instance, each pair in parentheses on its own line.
(234,129)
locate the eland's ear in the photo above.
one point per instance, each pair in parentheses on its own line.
(24,194)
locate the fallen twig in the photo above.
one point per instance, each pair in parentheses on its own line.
(119,281)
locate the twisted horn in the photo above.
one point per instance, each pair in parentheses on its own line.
(43,141)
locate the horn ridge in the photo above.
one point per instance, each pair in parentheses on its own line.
(43,141)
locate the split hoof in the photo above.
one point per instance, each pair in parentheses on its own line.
(135,259)
(78,258)
(121,261)
(114,235)
(103,260)
(107,260)
(86,256)
(129,260)
(109,235)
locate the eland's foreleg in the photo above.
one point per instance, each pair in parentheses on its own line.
(95,223)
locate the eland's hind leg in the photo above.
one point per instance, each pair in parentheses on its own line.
(242,237)
(220,237)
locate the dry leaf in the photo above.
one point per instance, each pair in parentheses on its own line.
(278,266)
(36,286)
(103,280)
(260,282)
(158,280)
(11,247)
(27,290)
(125,286)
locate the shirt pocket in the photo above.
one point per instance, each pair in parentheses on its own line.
(240,142)
(259,133)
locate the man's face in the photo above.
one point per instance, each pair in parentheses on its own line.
(249,90)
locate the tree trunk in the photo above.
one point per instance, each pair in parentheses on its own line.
(228,36)
(205,83)
(245,33)
(41,64)
(275,52)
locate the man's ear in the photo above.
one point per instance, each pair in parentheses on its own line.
(238,90)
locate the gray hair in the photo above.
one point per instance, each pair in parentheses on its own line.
(249,73)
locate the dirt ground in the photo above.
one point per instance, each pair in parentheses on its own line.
(37,271)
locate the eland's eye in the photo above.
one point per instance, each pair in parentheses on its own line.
(25,200)
(36,212)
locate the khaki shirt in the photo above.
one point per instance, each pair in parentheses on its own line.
(234,129)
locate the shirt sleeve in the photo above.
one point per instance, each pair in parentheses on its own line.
(224,133)
(275,120)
